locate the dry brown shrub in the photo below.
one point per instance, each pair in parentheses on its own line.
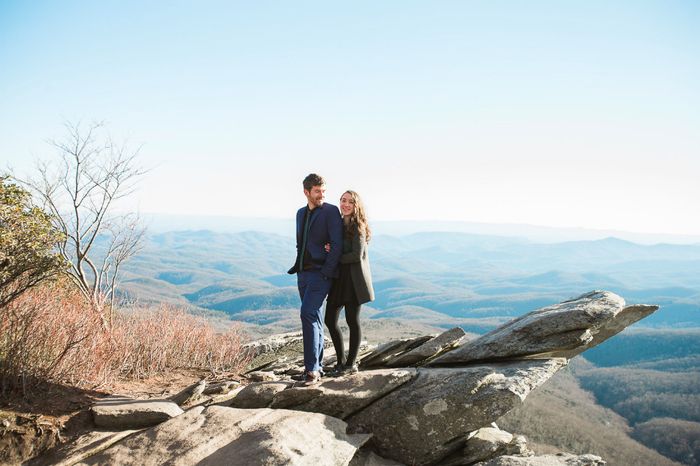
(51,334)
(150,341)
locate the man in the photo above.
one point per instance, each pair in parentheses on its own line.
(318,224)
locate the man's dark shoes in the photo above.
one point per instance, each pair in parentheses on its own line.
(312,378)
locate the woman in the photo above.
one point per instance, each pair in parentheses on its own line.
(353,287)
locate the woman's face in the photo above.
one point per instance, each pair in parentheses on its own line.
(347,205)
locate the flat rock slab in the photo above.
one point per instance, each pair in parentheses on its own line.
(124,413)
(562,330)
(561,459)
(431,416)
(342,396)
(83,447)
(219,435)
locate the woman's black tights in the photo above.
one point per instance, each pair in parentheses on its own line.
(352,317)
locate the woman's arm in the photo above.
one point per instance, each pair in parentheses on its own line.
(359,245)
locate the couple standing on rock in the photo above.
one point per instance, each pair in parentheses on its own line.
(331,263)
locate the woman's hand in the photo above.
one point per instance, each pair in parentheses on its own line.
(327,247)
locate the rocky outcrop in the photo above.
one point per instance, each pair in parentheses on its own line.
(425,420)
(562,330)
(438,407)
(431,413)
(125,413)
(219,435)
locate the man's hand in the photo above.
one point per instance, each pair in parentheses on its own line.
(327,247)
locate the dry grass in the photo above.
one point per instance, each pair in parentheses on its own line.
(150,341)
(50,334)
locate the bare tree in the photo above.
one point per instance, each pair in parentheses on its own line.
(80,191)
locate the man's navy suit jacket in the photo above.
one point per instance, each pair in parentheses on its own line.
(326,226)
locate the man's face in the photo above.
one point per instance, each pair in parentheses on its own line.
(316,196)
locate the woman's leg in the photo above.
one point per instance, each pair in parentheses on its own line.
(331,319)
(352,317)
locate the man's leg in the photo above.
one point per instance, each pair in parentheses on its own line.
(314,292)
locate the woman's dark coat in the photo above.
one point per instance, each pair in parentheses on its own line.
(359,268)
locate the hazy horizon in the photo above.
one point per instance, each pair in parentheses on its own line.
(162,222)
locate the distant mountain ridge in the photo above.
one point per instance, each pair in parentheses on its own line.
(159,223)
(457,277)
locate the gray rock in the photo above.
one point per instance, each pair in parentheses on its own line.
(342,396)
(428,349)
(227,436)
(429,417)
(389,350)
(124,413)
(560,459)
(562,330)
(257,395)
(487,443)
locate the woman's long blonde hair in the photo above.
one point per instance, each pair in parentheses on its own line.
(358,217)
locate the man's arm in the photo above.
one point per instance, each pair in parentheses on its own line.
(293,269)
(335,232)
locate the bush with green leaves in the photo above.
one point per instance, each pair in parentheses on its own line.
(27,243)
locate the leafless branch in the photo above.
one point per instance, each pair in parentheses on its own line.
(80,190)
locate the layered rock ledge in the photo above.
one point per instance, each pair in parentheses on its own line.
(426,400)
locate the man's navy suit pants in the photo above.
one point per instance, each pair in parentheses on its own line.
(313,290)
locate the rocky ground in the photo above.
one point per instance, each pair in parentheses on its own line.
(424,400)
(34,422)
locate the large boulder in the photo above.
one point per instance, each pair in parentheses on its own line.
(561,330)
(430,417)
(343,396)
(126,413)
(219,435)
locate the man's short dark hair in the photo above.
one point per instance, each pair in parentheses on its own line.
(313,180)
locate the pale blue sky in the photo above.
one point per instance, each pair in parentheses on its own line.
(561,113)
